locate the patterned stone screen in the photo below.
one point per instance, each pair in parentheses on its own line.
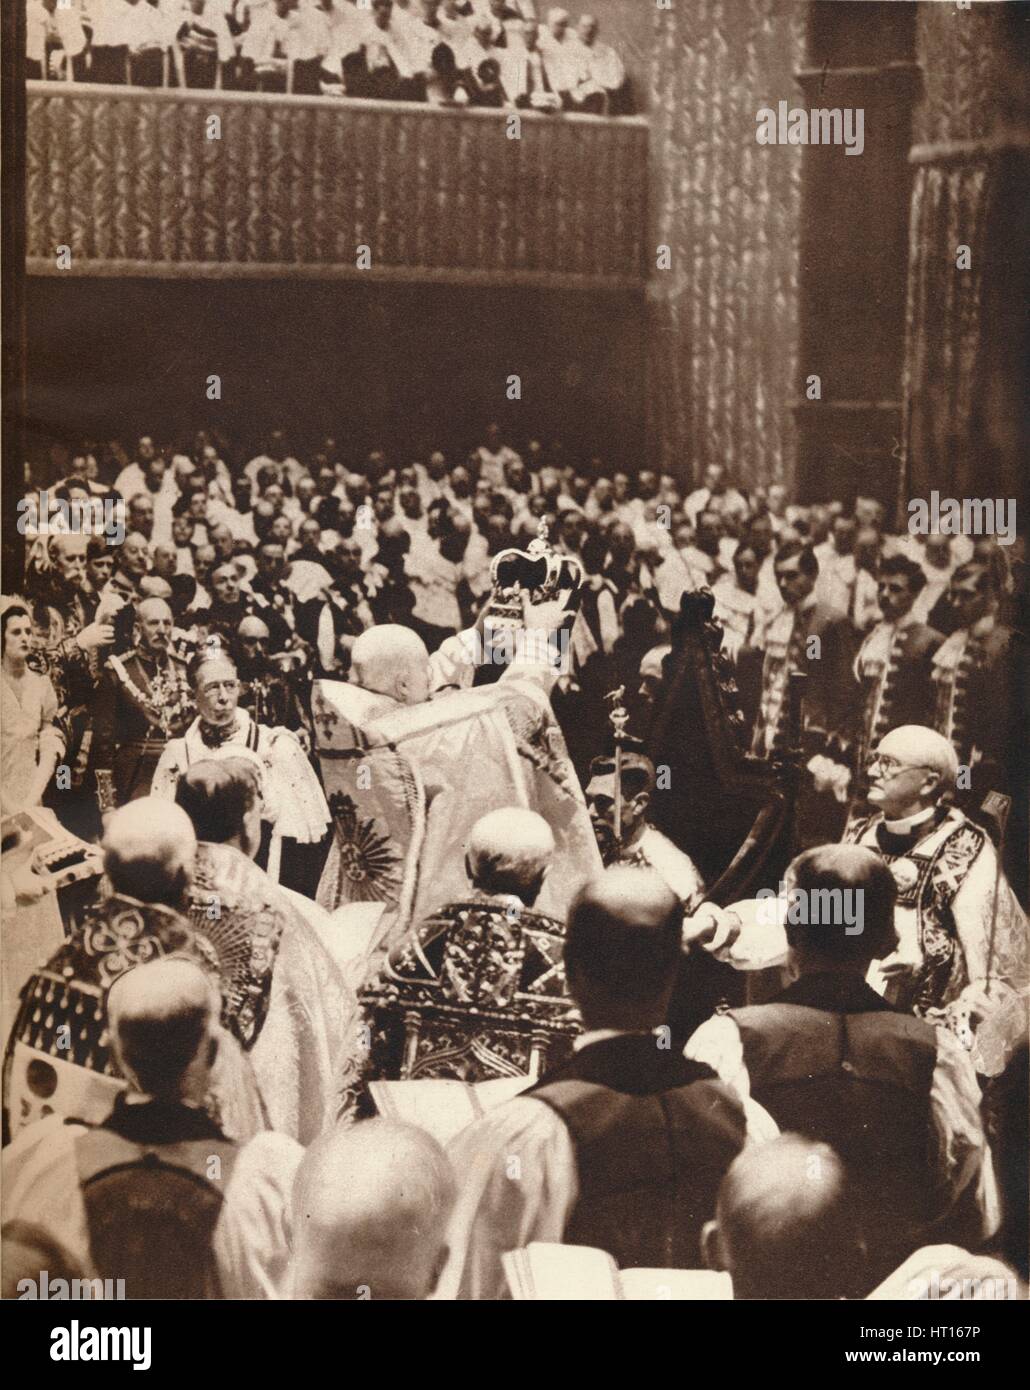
(132,184)
(966,336)
(723,345)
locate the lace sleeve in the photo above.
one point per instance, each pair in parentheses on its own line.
(168,772)
(302,811)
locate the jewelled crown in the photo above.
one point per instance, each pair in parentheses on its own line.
(539,571)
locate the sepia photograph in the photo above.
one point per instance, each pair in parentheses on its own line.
(514,759)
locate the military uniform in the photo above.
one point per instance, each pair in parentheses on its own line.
(893,670)
(786,647)
(143,702)
(223,619)
(973,677)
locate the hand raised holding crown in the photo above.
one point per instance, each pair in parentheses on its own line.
(552,614)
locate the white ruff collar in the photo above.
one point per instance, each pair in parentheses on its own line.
(198,749)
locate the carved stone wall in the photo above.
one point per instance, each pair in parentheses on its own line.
(967,348)
(724,318)
(130,183)
(854,251)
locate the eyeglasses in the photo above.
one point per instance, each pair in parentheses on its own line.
(891,766)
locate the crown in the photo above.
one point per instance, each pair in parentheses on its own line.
(539,570)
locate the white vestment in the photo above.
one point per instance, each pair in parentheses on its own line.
(292,798)
(407,783)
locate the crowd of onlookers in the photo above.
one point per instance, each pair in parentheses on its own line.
(446,52)
(135,557)
(319,548)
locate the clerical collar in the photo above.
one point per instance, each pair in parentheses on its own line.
(907,824)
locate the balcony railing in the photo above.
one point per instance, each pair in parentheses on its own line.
(131,182)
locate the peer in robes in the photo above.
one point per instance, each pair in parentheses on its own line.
(414,753)
(294,811)
(478,991)
(980,694)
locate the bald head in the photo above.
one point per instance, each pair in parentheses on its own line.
(392,660)
(165,560)
(651,665)
(66,543)
(787,1225)
(154,625)
(392,529)
(153,586)
(508,852)
(371,1202)
(840,908)
(252,629)
(914,743)
(912,768)
(149,848)
(155,607)
(162,1017)
(622,948)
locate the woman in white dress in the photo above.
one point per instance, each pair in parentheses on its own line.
(31,745)
(293,806)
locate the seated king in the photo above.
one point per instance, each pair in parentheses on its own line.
(478,991)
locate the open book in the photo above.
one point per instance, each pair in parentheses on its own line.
(443,1108)
(579,1272)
